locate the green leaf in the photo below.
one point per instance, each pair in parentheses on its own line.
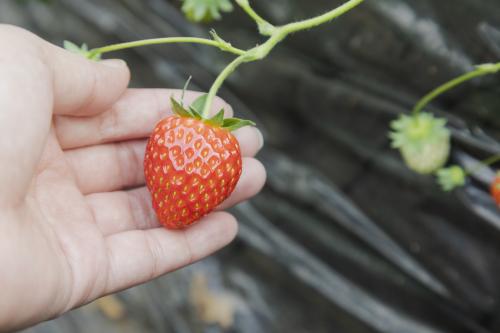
(180,110)
(200,12)
(199,103)
(195,113)
(94,56)
(214,13)
(233,124)
(225,5)
(82,50)
(72,47)
(205,10)
(218,119)
(185,88)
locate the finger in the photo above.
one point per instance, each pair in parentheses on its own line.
(83,87)
(113,166)
(253,178)
(108,167)
(133,116)
(128,210)
(250,139)
(121,211)
(80,86)
(138,256)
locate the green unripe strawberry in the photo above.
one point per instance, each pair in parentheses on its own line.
(423,140)
(451,178)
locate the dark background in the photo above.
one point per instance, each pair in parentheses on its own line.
(343,238)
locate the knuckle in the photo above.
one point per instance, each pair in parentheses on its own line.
(22,47)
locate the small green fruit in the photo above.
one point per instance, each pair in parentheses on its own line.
(451,178)
(423,140)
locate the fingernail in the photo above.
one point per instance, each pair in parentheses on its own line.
(115,63)
(260,137)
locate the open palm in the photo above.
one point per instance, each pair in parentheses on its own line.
(75,218)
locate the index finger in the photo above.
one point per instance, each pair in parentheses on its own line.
(79,86)
(37,79)
(133,116)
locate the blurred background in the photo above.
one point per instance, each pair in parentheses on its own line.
(344,238)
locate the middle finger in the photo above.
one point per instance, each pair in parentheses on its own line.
(114,166)
(132,117)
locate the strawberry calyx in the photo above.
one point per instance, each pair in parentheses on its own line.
(82,50)
(195,111)
(417,130)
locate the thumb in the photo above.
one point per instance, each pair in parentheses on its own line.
(84,87)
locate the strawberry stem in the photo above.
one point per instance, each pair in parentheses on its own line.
(321,19)
(484,163)
(480,70)
(277,34)
(218,82)
(223,45)
(265,28)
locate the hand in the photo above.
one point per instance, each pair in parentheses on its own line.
(75,218)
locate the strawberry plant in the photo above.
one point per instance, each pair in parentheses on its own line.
(424,140)
(192,161)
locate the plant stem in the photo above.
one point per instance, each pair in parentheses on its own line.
(218,82)
(265,28)
(278,34)
(328,16)
(167,40)
(484,163)
(480,70)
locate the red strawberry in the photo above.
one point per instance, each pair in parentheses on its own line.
(495,189)
(191,165)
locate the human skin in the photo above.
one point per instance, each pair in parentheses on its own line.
(76,221)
